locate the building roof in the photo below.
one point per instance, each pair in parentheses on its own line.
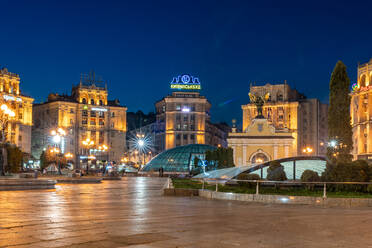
(177,159)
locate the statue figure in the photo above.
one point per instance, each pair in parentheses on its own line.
(259,101)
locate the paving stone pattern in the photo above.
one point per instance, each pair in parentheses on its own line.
(134,213)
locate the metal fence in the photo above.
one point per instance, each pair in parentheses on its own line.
(217,181)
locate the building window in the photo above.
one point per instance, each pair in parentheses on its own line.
(92,101)
(178,136)
(112,125)
(178,126)
(112,114)
(184,126)
(71,111)
(92,122)
(101,114)
(185,118)
(20,138)
(101,122)
(84,101)
(185,136)
(193,107)
(178,107)
(100,102)
(85,113)
(84,121)
(92,113)
(192,127)
(178,117)
(163,108)
(192,136)
(192,117)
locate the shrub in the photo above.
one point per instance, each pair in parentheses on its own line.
(247,176)
(276,172)
(310,176)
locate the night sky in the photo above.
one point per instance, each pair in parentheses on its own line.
(139,46)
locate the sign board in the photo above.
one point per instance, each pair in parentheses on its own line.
(185,82)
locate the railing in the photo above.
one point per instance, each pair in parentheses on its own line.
(276,183)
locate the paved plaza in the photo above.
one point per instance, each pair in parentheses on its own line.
(133,213)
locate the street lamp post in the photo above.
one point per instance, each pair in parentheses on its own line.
(88,143)
(6,115)
(58,138)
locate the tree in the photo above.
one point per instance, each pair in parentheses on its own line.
(220,158)
(276,172)
(15,159)
(339,126)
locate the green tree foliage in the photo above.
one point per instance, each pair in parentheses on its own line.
(339,126)
(276,172)
(356,171)
(310,176)
(220,158)
(15,159)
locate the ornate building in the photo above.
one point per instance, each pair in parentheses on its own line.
(287,110)
(261,142)
(85,114)
(18,130)
(361,113)
(183,117)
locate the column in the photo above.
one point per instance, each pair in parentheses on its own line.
(275,152)
(286,151)
(244,155)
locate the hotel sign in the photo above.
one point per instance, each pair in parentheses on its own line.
(185,82)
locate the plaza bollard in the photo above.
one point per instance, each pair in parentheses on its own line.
(257,188)
(216,186)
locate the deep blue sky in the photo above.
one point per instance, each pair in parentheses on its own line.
(138,46)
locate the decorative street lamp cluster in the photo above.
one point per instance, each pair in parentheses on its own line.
(307,150)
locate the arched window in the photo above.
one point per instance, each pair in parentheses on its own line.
(92,101)
(100,102)
(84,101)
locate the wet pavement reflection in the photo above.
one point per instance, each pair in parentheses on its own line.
(133,212)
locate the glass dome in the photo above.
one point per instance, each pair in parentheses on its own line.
(178,159)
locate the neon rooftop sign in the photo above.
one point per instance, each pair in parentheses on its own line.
(185,82)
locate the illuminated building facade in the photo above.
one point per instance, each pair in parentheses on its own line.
(18,131)
(182,116)
(85,114)
(361,113)
(288,112)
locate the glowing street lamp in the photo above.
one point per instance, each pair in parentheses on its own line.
(307,150)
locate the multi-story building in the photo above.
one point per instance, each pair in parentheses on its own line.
(182,116)
(216,134)
(361,113)
(288,110)
(85,114)
(18,130)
